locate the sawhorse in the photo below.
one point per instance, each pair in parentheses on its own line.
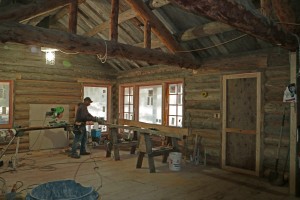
(146,147)
(113,144)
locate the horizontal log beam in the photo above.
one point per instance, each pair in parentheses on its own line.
(238,16)
(29,35)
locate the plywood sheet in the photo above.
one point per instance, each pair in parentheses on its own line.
(46,139)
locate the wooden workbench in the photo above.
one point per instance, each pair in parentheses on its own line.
(143,133)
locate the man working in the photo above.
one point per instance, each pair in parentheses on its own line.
(82,117)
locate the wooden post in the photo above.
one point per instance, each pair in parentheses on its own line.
(147,35)
(114,140)
(114,20)
(293,128)
(73,17)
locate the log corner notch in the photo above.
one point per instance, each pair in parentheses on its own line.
(241,18)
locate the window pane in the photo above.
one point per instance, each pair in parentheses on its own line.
(179,88)
(172,110)
(150,104)
(179,110)
(131,90)
(179,102)
(99,97)
(131,99)
(172,88)
(126,99)
(4,102)
(172,99)
(179,121)
(131,108)
(126,108)
(126,91)
(172,121)
(125,115)
(131,117)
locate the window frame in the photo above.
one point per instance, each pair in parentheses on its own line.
(108,111)
(10,118)
(165,105)
(129,103)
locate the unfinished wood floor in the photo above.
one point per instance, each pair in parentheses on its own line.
(120,180)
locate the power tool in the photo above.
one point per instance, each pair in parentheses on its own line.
(55,114)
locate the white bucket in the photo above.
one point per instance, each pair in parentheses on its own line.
(175,161)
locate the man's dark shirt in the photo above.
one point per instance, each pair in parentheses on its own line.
(82,114)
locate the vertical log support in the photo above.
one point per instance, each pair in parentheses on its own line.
(266,8)
(147,35)
(73,8)
(114,20)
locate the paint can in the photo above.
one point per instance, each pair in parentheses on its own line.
(175,161)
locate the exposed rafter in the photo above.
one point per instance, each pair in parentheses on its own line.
(129,14)
(25,12)
(156,26)
(29,35)
(238,16)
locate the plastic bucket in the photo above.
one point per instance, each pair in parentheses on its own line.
(96,133)
(175,161)
(62,190)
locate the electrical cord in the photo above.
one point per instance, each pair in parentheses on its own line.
(104,58)
(3,185)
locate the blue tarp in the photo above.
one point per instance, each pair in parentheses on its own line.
(62,190)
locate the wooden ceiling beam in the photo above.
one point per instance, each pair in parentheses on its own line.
(242,19)
(30,35)
(156,26)
(147,35)
(114,16)
(129,14)
(39,7)
(73,10)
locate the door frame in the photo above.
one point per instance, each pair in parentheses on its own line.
(256,75)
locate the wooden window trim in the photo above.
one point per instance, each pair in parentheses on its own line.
(10,122)
(165,97)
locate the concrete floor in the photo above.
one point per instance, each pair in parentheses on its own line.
(120,180)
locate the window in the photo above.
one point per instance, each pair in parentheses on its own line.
(157,102)
(6,96)
(175,104)
(128,103)
(150,104)
(99,96)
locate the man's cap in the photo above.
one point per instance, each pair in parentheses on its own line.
(88,99)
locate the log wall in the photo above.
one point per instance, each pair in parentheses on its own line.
(203,98)
(38,83)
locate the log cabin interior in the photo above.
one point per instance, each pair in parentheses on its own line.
(215,81)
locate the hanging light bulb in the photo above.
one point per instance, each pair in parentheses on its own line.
(50,55)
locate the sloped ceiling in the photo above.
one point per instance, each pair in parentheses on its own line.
(154,32)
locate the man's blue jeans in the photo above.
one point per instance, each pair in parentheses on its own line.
(80,137)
